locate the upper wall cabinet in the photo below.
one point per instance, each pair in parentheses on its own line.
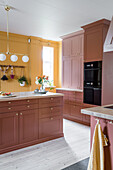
(94,38)
(72,45)
(77,45)
(66,47)
(72,60)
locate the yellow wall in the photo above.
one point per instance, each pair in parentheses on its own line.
(19,44)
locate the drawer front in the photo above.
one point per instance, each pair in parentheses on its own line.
(76,112)
(50,102)
(18,102)
(18,108)
(49,112)
(50,126)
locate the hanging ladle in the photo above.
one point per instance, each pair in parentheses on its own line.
(12,74)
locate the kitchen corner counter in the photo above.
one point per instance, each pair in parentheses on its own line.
(68,89)
(30,95)
(100,112)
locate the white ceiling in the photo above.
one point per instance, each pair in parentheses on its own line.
(51,19)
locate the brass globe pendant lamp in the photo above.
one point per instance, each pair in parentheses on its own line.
(14,56)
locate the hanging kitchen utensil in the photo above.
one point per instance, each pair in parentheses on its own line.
(4,71)
(12,73)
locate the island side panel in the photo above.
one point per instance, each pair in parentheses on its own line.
(107,129)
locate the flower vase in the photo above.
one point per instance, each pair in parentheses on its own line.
(42,88)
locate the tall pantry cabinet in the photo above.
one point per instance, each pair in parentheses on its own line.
(72,60)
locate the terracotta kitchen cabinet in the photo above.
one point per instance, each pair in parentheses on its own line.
(27,122)
(94,38)
(50,126)
(28,126)
(76,112)
(8,129)
(73,103)
(66,44)
(72,61)
(77,45)
(66,72)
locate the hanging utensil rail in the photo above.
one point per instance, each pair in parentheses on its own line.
(12,66)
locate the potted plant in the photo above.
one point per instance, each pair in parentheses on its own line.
(23,80)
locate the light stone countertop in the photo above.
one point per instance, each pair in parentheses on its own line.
(68,89)
(29,95)
(100,112)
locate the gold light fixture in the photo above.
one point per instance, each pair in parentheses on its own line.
(14,56)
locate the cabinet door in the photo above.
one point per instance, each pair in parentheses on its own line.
(66,47)
(75,73)
(66,68)
(76,112)
(50,126)
(77,45)
(28,126)
(93,45)
(8,130)
(67,109)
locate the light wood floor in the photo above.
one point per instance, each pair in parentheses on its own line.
(53,155)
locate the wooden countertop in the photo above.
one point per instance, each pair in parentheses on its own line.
(100,112)
(30,95)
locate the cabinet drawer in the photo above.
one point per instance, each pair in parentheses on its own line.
(50,102)
(76,112)
(18,108)
(18,102)
(50,126)
(49,112)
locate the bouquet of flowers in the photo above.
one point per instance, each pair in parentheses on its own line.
(41,80)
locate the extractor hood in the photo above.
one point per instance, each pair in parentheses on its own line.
(108,44)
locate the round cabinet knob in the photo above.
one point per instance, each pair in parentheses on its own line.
(9,102)
(21,114)
(28,101)
(28,106)
(51,118)
(51,98)
(9,108)
(51,108)
(16,114)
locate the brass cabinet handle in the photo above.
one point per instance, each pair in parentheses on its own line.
(16,114)
(51,118)
(9,102)
(21,113)
(9,108)
(28,101)
(28,106)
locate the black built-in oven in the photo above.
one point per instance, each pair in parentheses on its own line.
(92,82)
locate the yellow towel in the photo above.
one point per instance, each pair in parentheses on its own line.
(96,161)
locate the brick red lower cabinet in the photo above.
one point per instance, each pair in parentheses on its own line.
(50,126)
(107,129)
(73,103)
(8,130)
(28,126)
(26,122)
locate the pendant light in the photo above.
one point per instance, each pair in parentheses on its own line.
(14,56)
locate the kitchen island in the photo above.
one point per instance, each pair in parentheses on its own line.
(29,119)
(105,115)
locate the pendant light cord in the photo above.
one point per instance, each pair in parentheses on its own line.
(7,33)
